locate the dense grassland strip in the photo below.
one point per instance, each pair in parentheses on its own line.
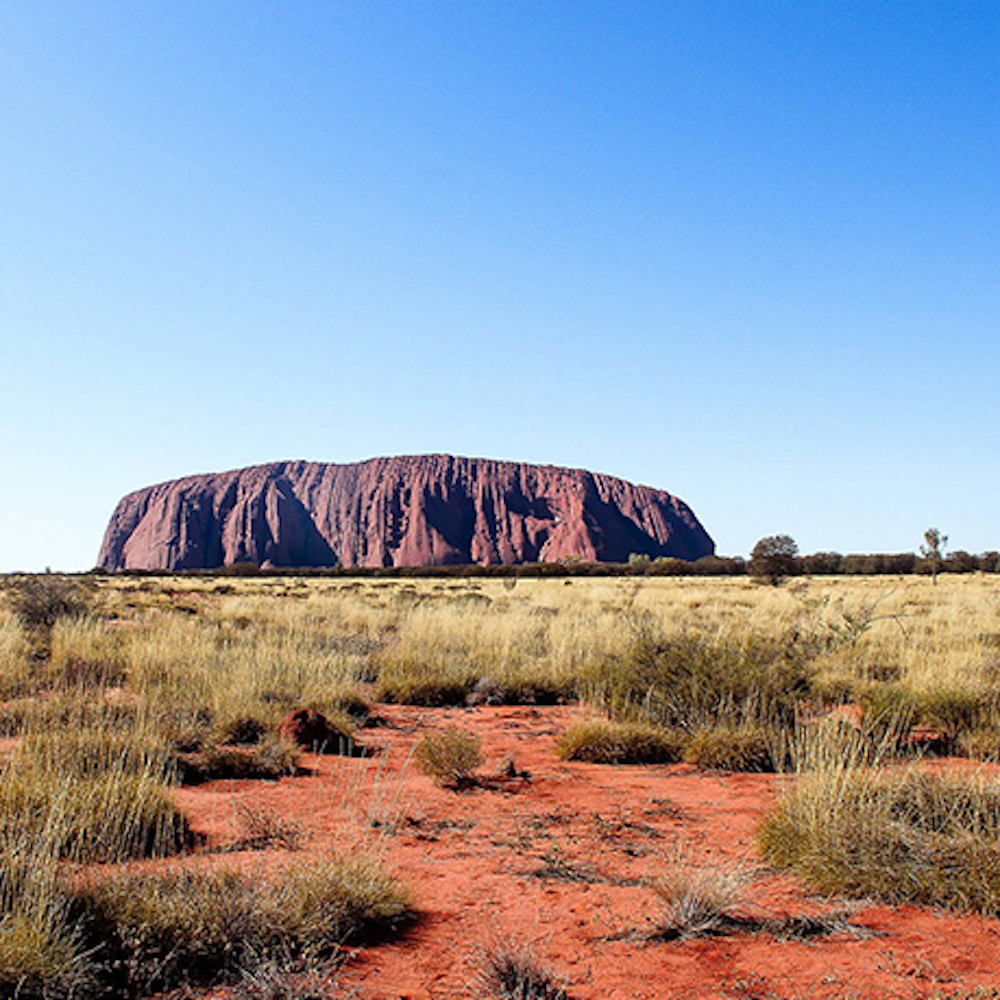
(132,685)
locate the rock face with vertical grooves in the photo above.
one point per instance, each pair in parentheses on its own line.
(409,511)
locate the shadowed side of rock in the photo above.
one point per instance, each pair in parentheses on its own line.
(406,511)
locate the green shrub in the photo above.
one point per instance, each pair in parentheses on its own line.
(725,748)
(603,742)
(449,757)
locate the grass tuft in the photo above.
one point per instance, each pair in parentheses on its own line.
(513,972)
(167,928)
(731,749)
(272,758)
(698,899)
(449,757)
(858,827)
(603,742)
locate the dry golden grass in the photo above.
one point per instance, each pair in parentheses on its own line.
(602,742)
(285,640)
(859,822)
(218,656)
(105,702)
(697,899)
(449,757)
(173,926)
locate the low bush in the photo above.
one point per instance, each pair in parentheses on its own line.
(428,690)
(348,701)
(272,758)
(263,829)
(954,714)
(691,682)
(896,834)
(240,730)
(317,732)
(981,744)
(162,929)
(522,689)
(402,684)
(287,978)
(39,601)
(449,757)
(730,749)
(956,711)
(698,899)
(602,742)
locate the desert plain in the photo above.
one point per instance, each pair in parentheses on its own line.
(598,789)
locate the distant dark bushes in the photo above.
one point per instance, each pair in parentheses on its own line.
(40,600)
(817,564)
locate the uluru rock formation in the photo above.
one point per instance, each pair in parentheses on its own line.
(407,511)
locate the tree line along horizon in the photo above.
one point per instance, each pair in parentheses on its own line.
(772,559)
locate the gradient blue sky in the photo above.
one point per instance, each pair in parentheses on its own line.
(743,251)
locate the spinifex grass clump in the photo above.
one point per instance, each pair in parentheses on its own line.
(42,952)
(729,748)
(512,971)
(86,794)
(169,927)
(454,649)
(952,713)
(97,784)
(698,899)
(900,833)
(449,757)
(981,744)
(273,757)
(745,688)
(603,742)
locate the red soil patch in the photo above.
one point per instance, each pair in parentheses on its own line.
(559,863)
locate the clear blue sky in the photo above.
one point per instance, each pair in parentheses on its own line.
(743,251)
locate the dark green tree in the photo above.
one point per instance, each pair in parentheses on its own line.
(773,558)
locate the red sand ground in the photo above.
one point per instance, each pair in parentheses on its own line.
(559,863)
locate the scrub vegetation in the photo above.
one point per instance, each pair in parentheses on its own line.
(115,691)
